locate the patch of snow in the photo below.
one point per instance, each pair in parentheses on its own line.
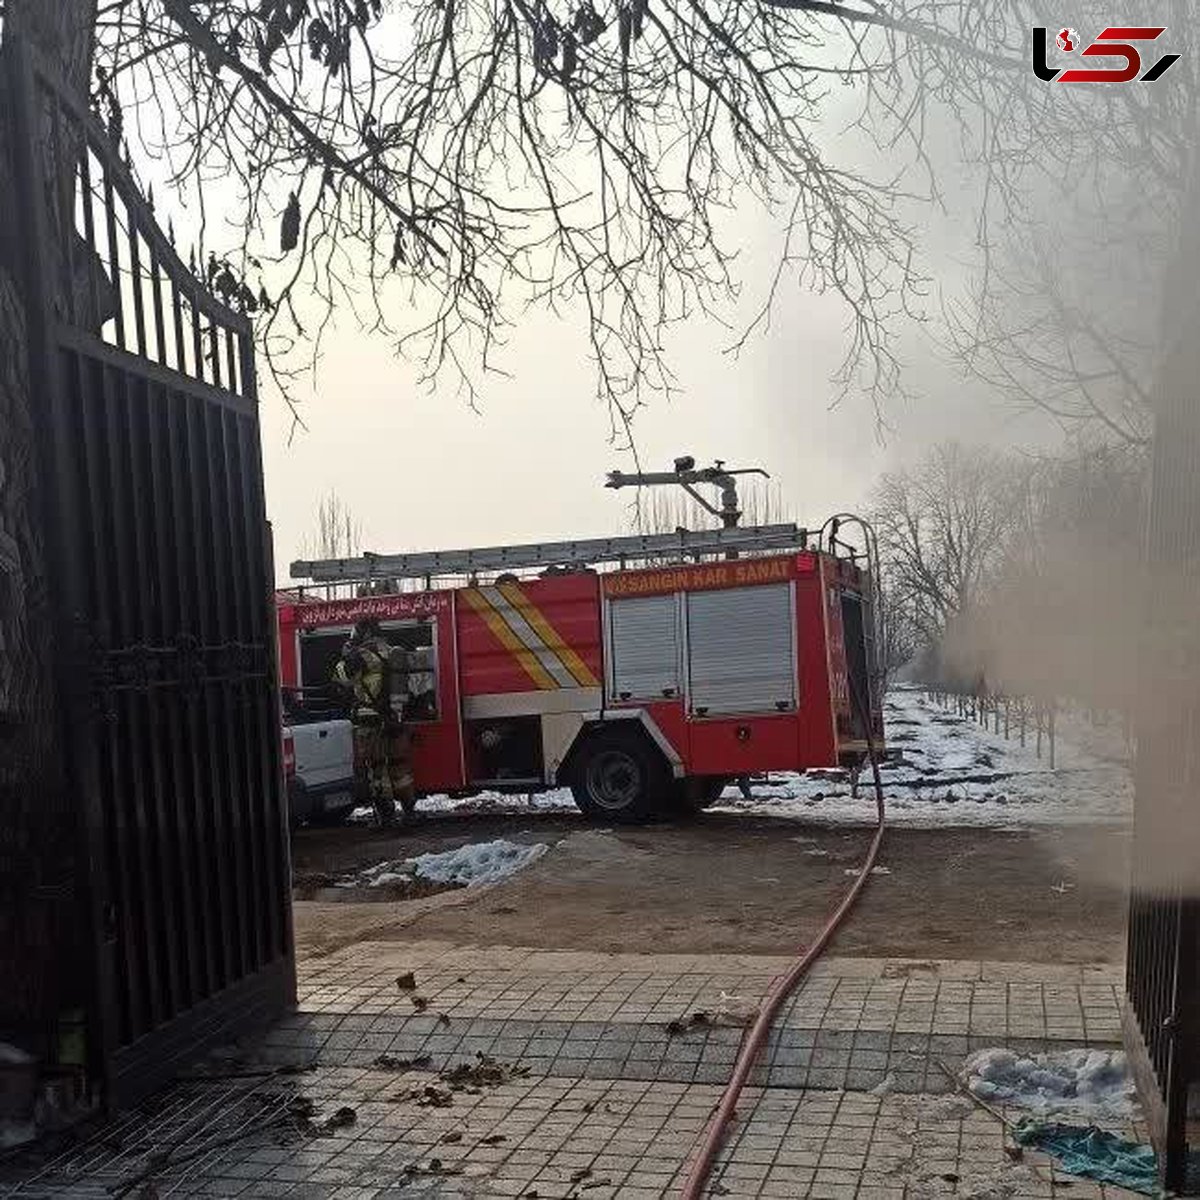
(481,862)
(874,871)
(954,772)
(558,800)
(477,863)
(1085,1084)
(381,878)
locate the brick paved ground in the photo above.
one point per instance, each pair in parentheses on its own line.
(850,1102)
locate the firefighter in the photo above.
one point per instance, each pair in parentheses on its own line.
(382,743)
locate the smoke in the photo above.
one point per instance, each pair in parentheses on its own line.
(1061,613)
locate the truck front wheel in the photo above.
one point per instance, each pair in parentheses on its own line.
(620,777)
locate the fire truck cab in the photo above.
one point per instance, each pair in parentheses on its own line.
(643,690)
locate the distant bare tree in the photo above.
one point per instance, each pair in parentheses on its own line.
(943,528)
(1044,330)
(663,510)
(338,533)
(902,640)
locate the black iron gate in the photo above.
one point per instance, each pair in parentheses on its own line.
(1162,1012)
(161,575)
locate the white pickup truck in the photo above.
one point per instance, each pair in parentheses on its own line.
(318,757)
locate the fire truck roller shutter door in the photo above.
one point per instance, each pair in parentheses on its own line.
(645,648)
(741,650)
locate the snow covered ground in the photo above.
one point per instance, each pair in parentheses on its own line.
(1090,1085)
(467,866)
(952,772)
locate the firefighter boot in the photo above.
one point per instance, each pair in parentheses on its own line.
(383,797)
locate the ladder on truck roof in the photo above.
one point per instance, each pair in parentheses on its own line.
(682,544)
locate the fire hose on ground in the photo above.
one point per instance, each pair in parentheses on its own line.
(781,989)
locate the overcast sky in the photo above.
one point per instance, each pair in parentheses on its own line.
(420,470)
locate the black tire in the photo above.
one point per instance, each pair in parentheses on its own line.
(620,776)
(327,818)
(299,804)
(698,792)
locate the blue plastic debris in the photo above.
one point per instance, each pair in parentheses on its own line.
(1094,1153)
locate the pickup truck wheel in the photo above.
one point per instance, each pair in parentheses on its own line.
(620,777)
(332,816)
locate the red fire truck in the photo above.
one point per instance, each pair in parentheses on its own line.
(736,652)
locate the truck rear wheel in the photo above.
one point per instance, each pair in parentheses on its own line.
(697,792)
(620,777)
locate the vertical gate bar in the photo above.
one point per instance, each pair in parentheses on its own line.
(96,434)
(214,349)
(273,925)
(135,272)
(60,507)
(64,219)
(155,768)
(231,374)
(173,501)
(1189,1040)
(247,548)
(197,336)
(142,902)
(264,635)
(160,330)
(234,498)
(240,694)
(213,585)
(276,822)
(114,254)
(1174,1078)
(89,229)
(182,883)
(242,705)
(235,792)
(185,516)
(89,389)
(121,1030)
(135,725)
(67,402)
(136,962)
(177,319)
(1156,970)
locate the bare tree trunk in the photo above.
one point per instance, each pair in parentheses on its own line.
(37,834)
(63,30)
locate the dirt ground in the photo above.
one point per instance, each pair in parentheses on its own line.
(732,883)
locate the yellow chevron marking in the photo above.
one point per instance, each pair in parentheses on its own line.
(509,640)
(538,623)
